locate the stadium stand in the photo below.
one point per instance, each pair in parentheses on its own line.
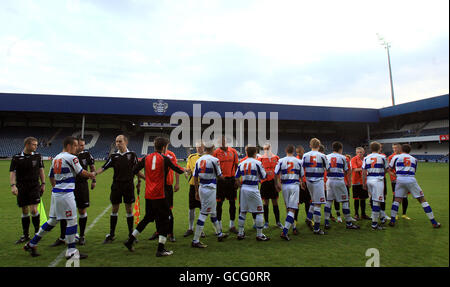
(50,118)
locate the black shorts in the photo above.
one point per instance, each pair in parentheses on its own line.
(226,189)
(168,193)
(268,190)
(81,193)
(304,196)
(359,192)
(158,210)
(122,189)
(193,203)
(29,193)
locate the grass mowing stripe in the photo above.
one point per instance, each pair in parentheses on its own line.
(61,255)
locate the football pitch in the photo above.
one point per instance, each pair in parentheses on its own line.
(411,243)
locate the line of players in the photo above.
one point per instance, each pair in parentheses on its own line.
(211,185)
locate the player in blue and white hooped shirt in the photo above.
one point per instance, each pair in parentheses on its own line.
(315,164)
(65,167)
(251,171)
(336,188)
(207,170)
(289,174)
(374,168)
(405,167)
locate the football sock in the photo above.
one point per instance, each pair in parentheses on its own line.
(231,223)
(362,203)
(133,236)
(429,212)
(266,212)
(394,210)
(199,227)
(259,224)
(337,206)
(317,215)
(113,223)
(232,210)
(310,213)
(46,227)
(276,212)
(375,213)
(216,225)
(307,208)
(191,219)
(26,224)
(161,242)
(382,213)
(36,219)
(219,210)
(405,205)
(289,222)
(296,215)
(356,204)
(63,225)
(241,222)
(130,223)
(171,220)
(82,222)
(346,212)
(71,231)
(327,210)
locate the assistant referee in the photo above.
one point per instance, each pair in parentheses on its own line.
(25,171)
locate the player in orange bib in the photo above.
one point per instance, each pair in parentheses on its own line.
(359,193)
(268,190)
(226,189)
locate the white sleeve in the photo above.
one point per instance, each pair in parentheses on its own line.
(75,163)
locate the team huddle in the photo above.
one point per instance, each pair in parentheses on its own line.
(215,175)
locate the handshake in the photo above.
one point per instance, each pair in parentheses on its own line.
(90,175)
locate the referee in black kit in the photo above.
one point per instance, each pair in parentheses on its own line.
(122,188)
(25,171)
(81,193)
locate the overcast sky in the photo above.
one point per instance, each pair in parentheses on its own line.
(292,52)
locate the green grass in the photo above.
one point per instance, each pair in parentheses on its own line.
(410,243)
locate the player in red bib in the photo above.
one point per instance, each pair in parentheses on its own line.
(169,189)
(359,193)
(157,209)
(268,190)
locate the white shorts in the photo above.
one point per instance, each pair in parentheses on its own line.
(317,191)
(207,199)
(376,190)
(336,190)
(402,189)
(291,193)
(63,205)
(250,200)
